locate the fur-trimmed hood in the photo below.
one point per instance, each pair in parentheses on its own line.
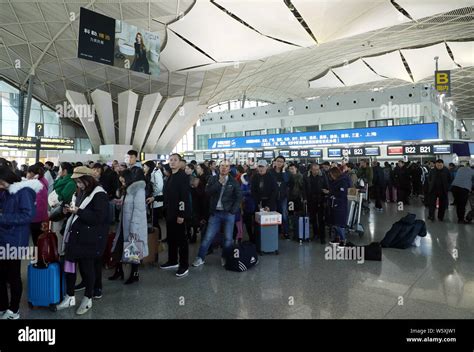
(35,185)
(243,179)
(135,186)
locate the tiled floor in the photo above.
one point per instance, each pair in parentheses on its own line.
(431,281)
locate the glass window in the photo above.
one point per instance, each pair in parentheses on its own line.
(10,127)
(202,141)
(51,130)
(336,126)
(50,116)
(217,135)
(360,124)
(255,133)
(273,130)
(306,128)
(234,134)
(285,130)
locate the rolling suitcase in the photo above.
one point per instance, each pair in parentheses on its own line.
(303,226)
(267,238)
(44,286)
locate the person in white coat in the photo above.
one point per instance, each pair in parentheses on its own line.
(154,176)
(132,222)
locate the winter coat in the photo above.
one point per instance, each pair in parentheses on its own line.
(156,179)
(401,178)
(445,180)
(177,197)
(133,218)
(366,173)
(17,210)
(402,234)
(200,200)
(248,204)
(388,175)
(65,188)
(282,179)
(268,194)
(338,212)
(231,197)
(42,202)
(296,187)
(379,179)
(314,186)
(110,182)
(50,178)
(86,232)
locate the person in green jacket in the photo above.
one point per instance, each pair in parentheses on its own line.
(365,172)
(64,186)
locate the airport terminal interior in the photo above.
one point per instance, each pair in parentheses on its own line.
(227,159)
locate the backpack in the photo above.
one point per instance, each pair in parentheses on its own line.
(242,258)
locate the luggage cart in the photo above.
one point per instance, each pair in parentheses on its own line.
(355,211)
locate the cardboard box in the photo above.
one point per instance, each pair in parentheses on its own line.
(268,218)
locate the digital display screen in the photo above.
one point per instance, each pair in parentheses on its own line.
(398,150)
(259,154)
(334,153)
(294,153)
(371,151)
(268,154)
(342,136)
(304,153)
(442,149)
(285,153)
(315,153)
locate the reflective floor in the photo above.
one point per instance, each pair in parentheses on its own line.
(435,280)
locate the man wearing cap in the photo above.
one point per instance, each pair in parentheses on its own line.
(225,197)
(264,187)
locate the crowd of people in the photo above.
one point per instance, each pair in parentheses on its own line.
(210,200)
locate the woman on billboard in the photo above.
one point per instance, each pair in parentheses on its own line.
(140,64)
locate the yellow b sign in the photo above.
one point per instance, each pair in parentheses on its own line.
(443,82)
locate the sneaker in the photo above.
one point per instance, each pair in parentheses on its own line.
(198,262)
(8,314)
(182,272)
(86,304)
(80,287)
(222,261)
(97,293)
(169,266)
(67,302)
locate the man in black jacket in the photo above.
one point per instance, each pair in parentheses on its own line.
(315,182)
(224,199)
(378,184)
(178,208)
(264,188)
(438,187)
(137,171)
(401,178)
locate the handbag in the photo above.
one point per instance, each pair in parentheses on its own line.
(48,248)
(56,213)
(133,250)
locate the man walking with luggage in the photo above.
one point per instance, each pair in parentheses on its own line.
(225,197)
(438,186)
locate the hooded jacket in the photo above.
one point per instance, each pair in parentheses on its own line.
(17,210)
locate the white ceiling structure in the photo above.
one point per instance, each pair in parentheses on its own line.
(219,50)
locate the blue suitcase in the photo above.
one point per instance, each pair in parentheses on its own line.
(44,286)
(267,240)
(303,228)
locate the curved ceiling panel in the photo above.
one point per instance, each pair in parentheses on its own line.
(389,65)
(278,22)
(224,38)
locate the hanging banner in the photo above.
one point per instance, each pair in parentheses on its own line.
(443,82)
